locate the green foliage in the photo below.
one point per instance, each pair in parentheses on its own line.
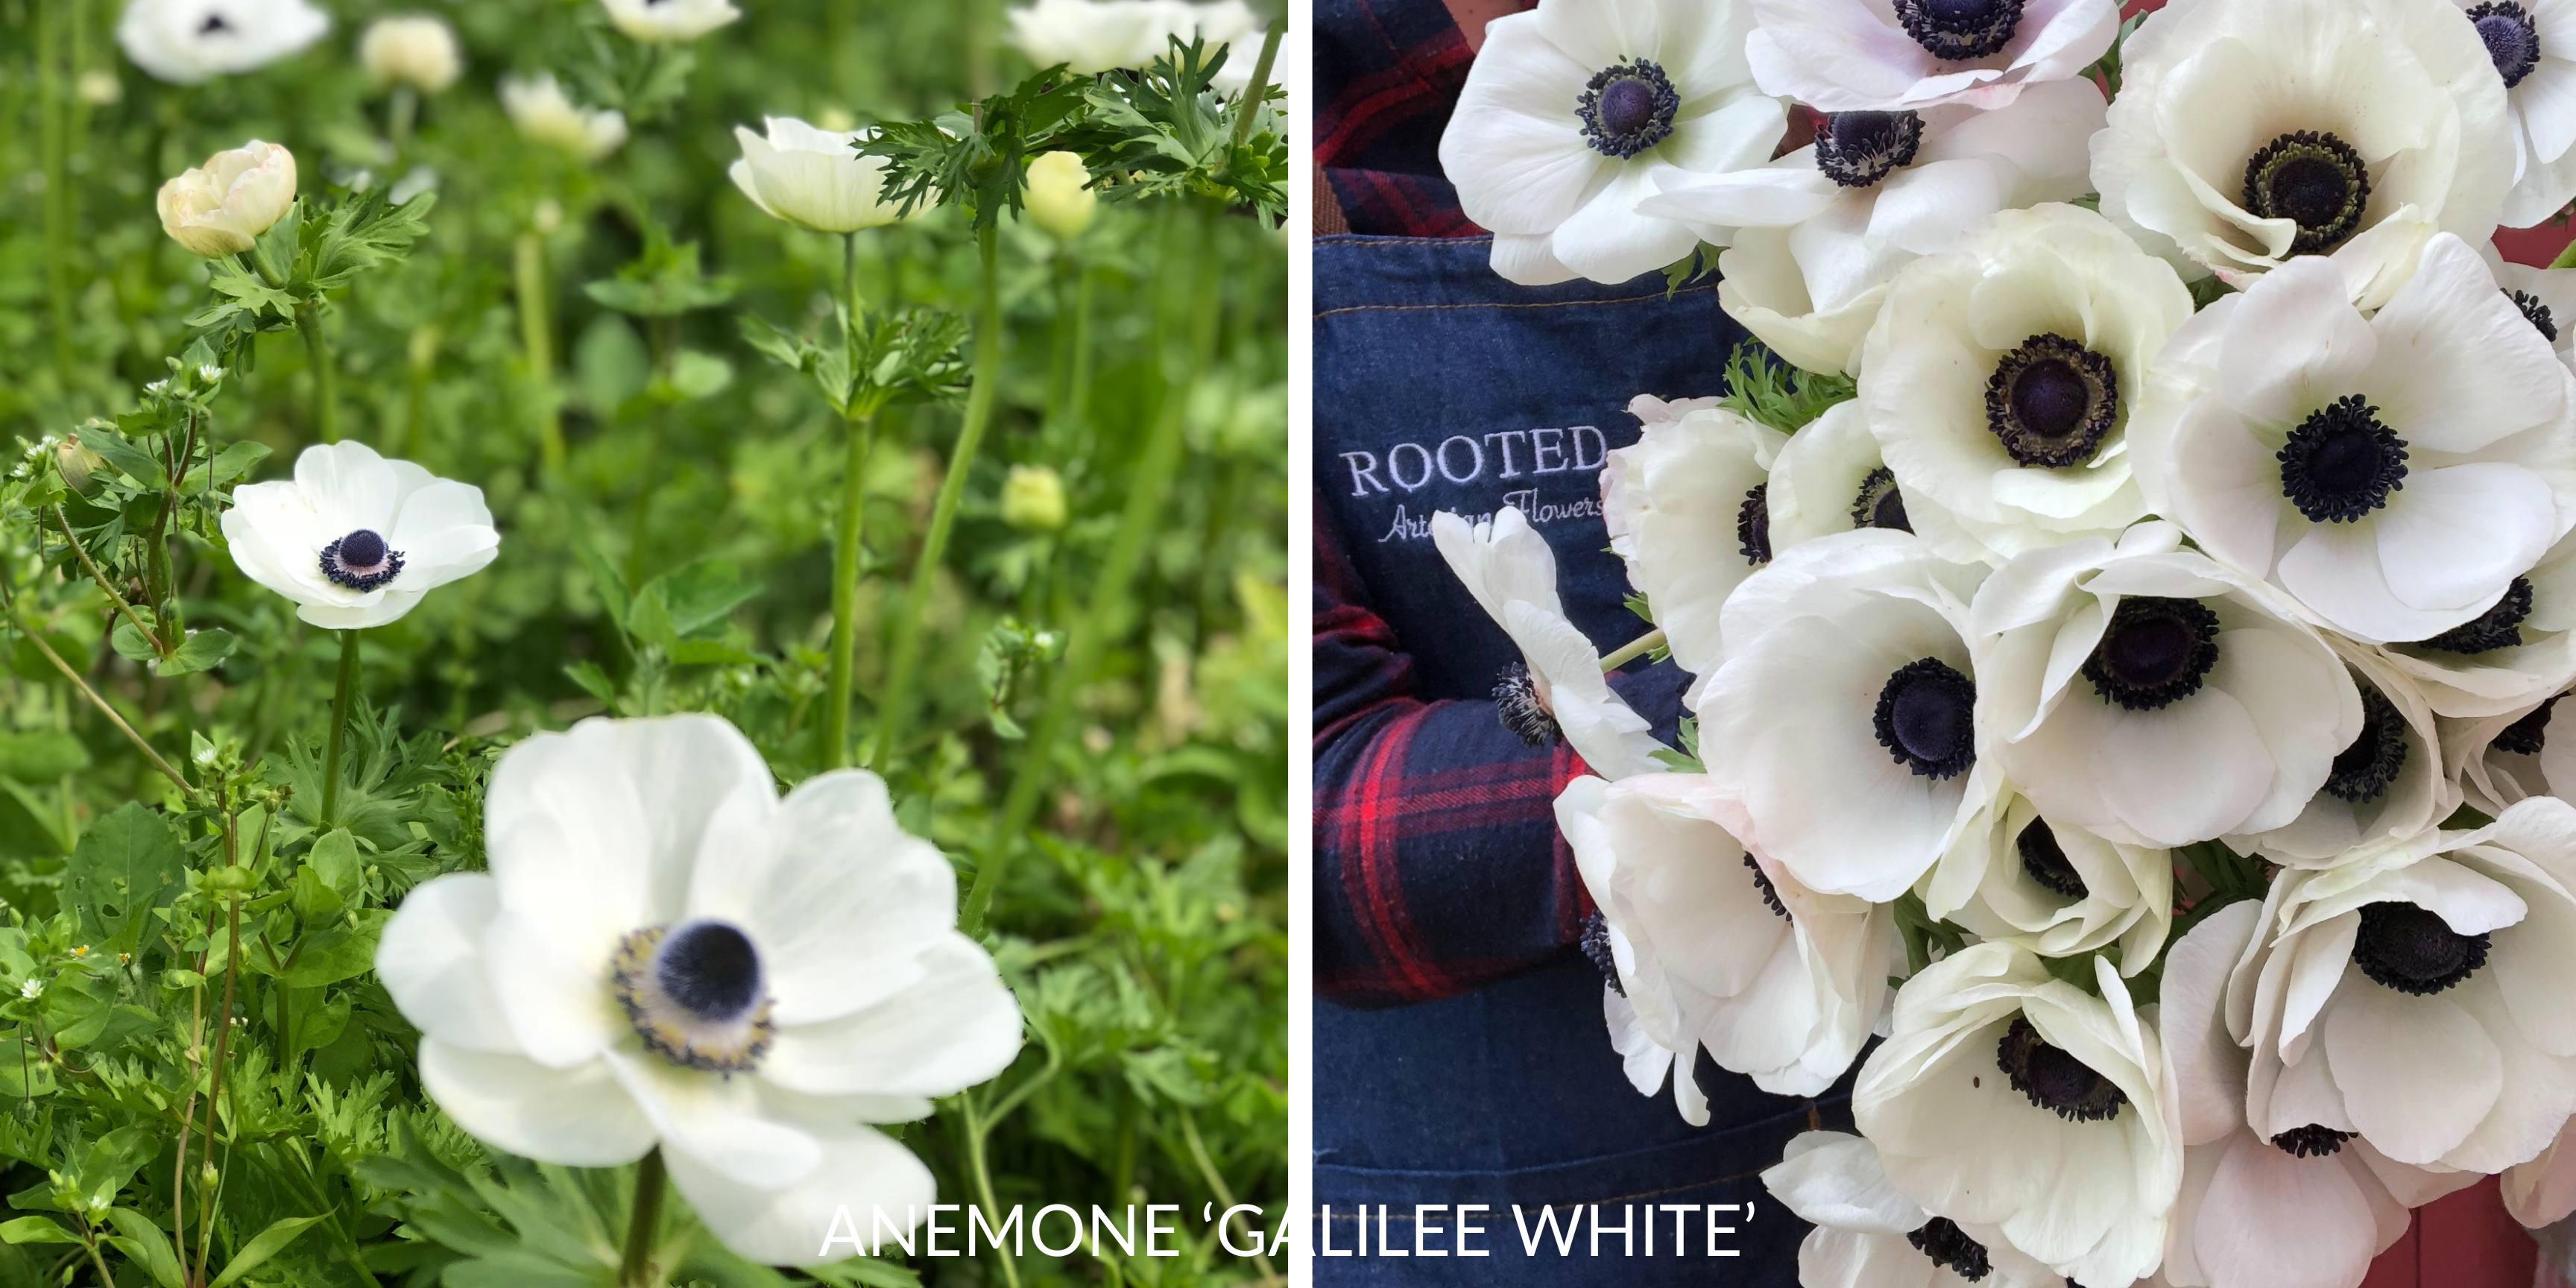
(1776,394)
(201,1078)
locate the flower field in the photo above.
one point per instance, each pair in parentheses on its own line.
(625,623)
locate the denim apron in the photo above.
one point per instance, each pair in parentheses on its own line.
(1440,386)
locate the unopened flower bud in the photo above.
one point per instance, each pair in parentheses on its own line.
(1033,499)
(77,464)
(412,49)
(1058,200)
(221,207)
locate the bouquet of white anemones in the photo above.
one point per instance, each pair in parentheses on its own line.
(2123,657)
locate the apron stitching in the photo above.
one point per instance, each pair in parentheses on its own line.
(1531,304)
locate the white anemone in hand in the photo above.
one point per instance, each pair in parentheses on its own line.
(2148,695)
(1867,1235)
(1830,478)
(2388,784)
(2393,474)
(1824,228)
(356,540)
(2241,1189)
(2000,380)
(812,177)
(187,42)
(1842,718)
(2015,878)
(1687,509)
(2006,1098)
(2247,134)
(1575,113)
(1509,569)
(664,953)
(1713,947)
(668,21)
(1888,55)
(2533,46)
(2414,993)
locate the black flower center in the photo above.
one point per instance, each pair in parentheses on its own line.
(1950,1248)
(2342,462)
(1770,893)
(2312,1141)
(2364,770)
(1523,710)
(1926,718)
(2314,180)
(2155,652)
(2537,312)
(693,993)
(2046,862)
(1960,29)
(1858,149)
(2512,38)
(2054,1079)
(213,25)
(709,969)
(1596,946)
(2413,950)
(2525,737)
(360,561)
(2052,402)
(1880,504)
(2498,627)
(1627,108)
(1753,525)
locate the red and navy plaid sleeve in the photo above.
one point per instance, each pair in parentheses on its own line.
(1387,73)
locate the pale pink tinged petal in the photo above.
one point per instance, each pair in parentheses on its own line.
(2452,538)
(1835,55)
(2257,1194)
(578,1117)
(2294,344)
(2418,1073)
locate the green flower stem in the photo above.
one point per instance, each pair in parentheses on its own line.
(54,141)
(1632,650)
(664,345)
(339,723)
(528,266)
(1187,347)
(402,110)
(974,1128)
(2566,258)
(644,1226)
(905,664)
(326,378)
(858,430)
(56,661)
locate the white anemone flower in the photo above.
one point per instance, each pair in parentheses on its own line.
(2513,655)
(668,21)
(2542,1192)
(2248,134)
(1507,566)
(543,113)
(2001,378)
(2006,1098)
(1714,947)
(189,42)
(665,954)
(1842,719)
(811,177)
(1867,1235)
(2148,695)
(2413,993)
(357,540)
(2013,877)
(2533,46)
(2547,296)
(2393,474)
(2390,783)
(1822,229)
(1830,478)
(1094,36)
(1686,507)
(2505,758)
(1576,112)
(2241,1189)
(1891,55)
(417,50)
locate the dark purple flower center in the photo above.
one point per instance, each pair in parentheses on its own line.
(2312,1141)
(1753,526)
(2525,737)
(2512,38)
(2052,402)
(1627,108)
(2342,462)
(2314,180)
(2413,950)
(1960,29)
(1858,149)
(2155,652)
(2500,626)
(2054,1079)
(361,561)
(1926,718)
(1950,1248)
(1880,504)
(2363,771)
(2046,862)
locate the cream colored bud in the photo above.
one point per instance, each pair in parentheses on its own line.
(813,178)
(544,114)
(221,207)
(99,87)
(1033,499)
(1058,199)
(412,49)
(76,463)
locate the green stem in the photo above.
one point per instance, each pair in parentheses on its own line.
(644,1226)
(95,700)
(895,705)
(982,1171)
(326,378)
(529,271)
(339,723)
(860,433)
(401,111)
(55,142)
(1632,650)
(641,527)
(1186,349)
(2566,258)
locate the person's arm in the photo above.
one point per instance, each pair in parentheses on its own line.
(1438,866)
